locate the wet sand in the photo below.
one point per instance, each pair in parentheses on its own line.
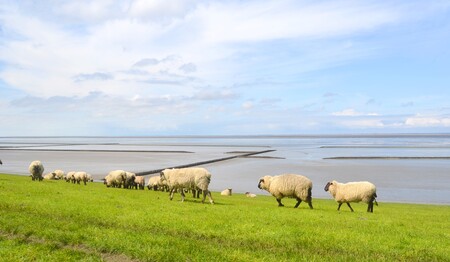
(416,179)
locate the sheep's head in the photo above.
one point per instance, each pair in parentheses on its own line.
(162,176)
(330,184)
(264,182)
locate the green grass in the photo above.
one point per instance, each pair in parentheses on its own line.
(55,220)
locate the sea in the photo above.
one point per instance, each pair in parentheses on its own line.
(406,168)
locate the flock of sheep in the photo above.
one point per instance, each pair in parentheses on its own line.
(197,179)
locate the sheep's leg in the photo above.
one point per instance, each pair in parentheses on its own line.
(298,202)
(182,195)
(210,197)
(207,192)
(310,204)
(204,196)
(339,207)
(279,203)
(348,204)
(370,207)
(171,193)
(193,193)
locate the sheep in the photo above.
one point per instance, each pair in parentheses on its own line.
(69,176)
(226,192)
(288,185)
(115,178)
(248,194)
(155,183)
(81,176)
(50,176)
(59,174)
(353,192)
(1,163)
(187,178)
(129,181)
(36,169)
(139,181)
(90,178)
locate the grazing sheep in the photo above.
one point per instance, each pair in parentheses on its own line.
(353,192)
(115,178)
(155,183)
(248,194)
(288,185)
(129,181)
(226,192)
(59,174)
(187,178)
(1,163)
(139,181)
(50,176)
(89,178)
(81,176)
(36,169)
(69,176)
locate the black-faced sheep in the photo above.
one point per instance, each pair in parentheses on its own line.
(353,192)
(187,178)
(50,176)
(69,177)
(226,192)
(36,169)
(288,185)
(59,174)
(155,183)
(81,176)
(129,181)
(248,194)
(139,182)
(115,178)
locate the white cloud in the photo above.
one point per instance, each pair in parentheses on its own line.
(423,121)
(352,112)
(363,123)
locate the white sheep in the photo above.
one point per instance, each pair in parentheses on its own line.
(248,194)
(81,176)
(90,178)
(59,174)
(196,178)
(69,176)
(50,176)
(353,192)
(288,185)
(155,183)
(36,169)
(115,178)
(129,181)
(226,192)
(139,181)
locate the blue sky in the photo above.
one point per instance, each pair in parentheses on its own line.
(223,67)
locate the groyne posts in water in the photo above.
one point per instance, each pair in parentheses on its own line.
(203,162)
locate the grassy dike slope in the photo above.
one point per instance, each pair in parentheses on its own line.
(55,220)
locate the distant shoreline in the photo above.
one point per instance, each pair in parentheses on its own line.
(387,157)
(371,135)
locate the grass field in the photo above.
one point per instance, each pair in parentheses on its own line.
(55,221)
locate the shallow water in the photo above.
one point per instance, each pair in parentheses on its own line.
(397,180)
